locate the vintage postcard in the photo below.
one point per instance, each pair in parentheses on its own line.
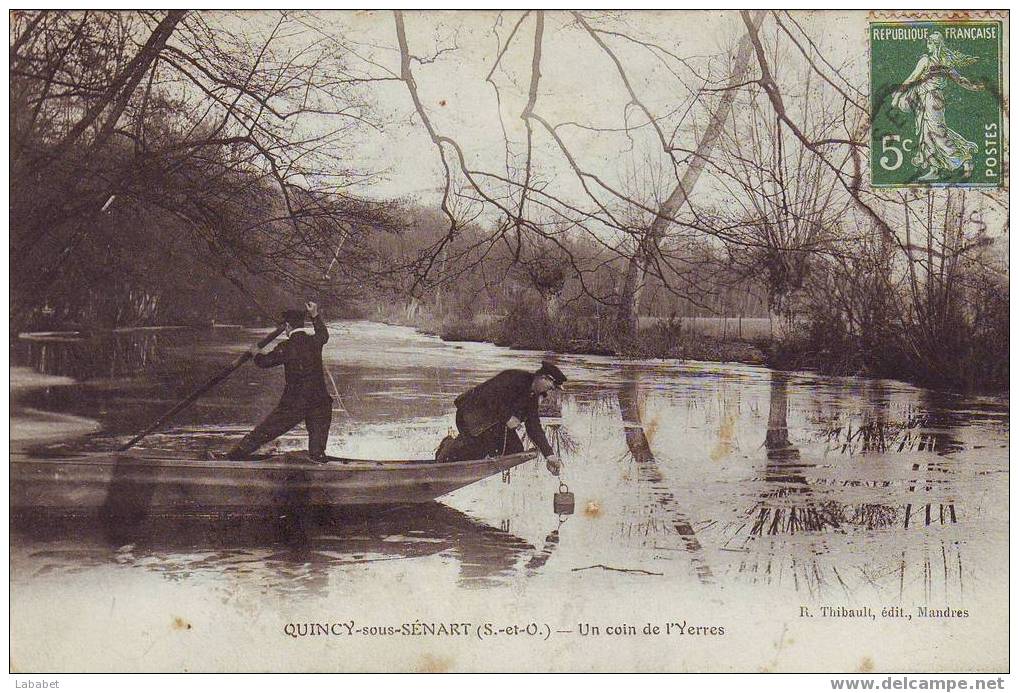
(509,341)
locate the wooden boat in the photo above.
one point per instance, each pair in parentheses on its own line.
(142,483)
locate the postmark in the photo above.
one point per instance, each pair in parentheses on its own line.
(936,103)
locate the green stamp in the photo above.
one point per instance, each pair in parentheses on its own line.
(936,103)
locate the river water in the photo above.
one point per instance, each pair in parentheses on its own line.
(718,495)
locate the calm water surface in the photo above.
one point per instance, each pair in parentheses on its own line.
(716,493)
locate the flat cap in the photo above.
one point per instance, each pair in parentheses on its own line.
(552,371)
(295,318)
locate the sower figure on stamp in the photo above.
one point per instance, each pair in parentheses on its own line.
(305,397)
(938,147)
(488,415)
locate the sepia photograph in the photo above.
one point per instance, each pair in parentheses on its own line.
(520,340)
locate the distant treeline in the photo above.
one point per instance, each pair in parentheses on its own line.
(861,307)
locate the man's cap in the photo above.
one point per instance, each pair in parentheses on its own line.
(294,318)
(552,371)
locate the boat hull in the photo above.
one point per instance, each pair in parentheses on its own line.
(137,483)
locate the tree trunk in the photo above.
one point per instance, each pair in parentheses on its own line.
(629,297)
(123,86)
(778,325)
(551,301)
(636,269)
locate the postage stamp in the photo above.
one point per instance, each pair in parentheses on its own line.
(936,103)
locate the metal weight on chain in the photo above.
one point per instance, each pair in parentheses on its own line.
(563,502)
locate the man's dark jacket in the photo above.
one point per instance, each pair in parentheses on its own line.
(495,401)
(301,357)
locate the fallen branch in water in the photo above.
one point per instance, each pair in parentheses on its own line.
(618,570)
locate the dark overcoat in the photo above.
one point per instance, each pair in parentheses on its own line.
(495,401)
(301,358)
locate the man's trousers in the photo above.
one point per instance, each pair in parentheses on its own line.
(316,417)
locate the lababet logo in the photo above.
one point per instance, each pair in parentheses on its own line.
(36,684)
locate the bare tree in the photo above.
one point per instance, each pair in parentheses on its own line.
(178,119)
(929,262)
(579,194)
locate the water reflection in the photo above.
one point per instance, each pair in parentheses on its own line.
(297,553)
(788,504)
(109,354)
(665,506)
(792,485)
(814,525)
(540,558)
(782,456)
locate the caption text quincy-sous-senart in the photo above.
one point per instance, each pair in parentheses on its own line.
(489,629)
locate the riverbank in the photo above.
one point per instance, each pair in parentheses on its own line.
(662,340)
(31,426)
(685,340)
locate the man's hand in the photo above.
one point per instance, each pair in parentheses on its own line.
(513,423)
(312,308)
(554,465)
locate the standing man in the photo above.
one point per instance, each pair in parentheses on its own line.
(488,415)
(305,397)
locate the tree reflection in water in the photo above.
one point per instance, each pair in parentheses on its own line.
(790,532)
(106,354)
(650,474)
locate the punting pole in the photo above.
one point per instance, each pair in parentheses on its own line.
(209,384)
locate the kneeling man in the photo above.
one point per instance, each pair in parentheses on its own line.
(488,415)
